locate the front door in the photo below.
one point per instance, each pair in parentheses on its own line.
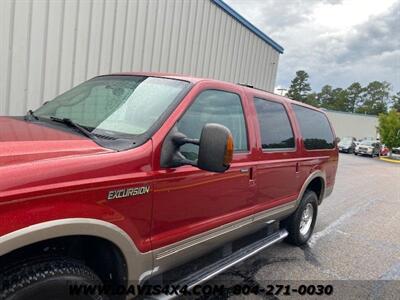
(189,201)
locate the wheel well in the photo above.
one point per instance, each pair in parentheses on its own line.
(317,185)
(102,256)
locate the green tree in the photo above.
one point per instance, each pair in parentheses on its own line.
(312,99)
(396,101)
(354,96)
(299,87)
(335,99)
(326,97)
(340,100)
(375,98)
(389,129)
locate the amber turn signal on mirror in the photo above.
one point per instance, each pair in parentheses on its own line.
(228,151)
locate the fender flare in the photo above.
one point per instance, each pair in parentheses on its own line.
(137,262)
(311,177)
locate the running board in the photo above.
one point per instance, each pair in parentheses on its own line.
(224,264)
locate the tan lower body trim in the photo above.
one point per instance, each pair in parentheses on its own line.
(140,264)
(137,262)
(276,212)
(193,241)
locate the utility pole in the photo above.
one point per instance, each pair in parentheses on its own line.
(281,91)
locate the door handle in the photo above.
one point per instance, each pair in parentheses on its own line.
(249,171)
(252,181)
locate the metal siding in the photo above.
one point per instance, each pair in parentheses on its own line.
(50,46)
(231,51)
(199,31)
(158,37)
(220,53)
(119,35)
(95,38)
(262,75)
(239,54)
(242,57)
(66,69)
(18,56)
(356,125)
(268,67)
(205,60)
(246,58)
(182,36)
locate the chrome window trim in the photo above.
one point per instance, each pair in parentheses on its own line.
(274,150)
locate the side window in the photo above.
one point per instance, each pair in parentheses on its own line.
(275,128)
(214,106)
(315,128)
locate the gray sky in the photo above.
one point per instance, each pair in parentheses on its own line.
(336,42)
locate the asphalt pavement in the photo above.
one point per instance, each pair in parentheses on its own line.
(355,246)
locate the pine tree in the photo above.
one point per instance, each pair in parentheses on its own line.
(299,87)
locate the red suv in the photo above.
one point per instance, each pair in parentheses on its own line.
(127,176)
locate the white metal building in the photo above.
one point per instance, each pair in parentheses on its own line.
(47,47)
(351,124)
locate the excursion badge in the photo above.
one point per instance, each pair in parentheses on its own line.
(128,192)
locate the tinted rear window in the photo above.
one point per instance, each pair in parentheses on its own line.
(275,128)
(315,128)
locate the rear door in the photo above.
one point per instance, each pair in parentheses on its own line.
(277,168)
(319,150)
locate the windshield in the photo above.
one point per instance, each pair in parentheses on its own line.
(113,105)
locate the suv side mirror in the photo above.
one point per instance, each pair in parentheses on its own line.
(215,149)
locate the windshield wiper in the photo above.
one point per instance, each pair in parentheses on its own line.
(30,114)
(74,125)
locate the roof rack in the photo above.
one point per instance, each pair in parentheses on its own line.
(253,87)
(246,85)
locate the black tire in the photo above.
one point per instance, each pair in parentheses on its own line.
(292,224)
(49,278)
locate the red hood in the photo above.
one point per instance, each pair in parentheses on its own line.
(22,142)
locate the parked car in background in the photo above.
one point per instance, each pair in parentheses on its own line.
(384,150)
(396,153)
(368,147)
(369,138)
(347,144)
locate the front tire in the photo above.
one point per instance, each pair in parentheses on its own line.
(47,279)
(300,224)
